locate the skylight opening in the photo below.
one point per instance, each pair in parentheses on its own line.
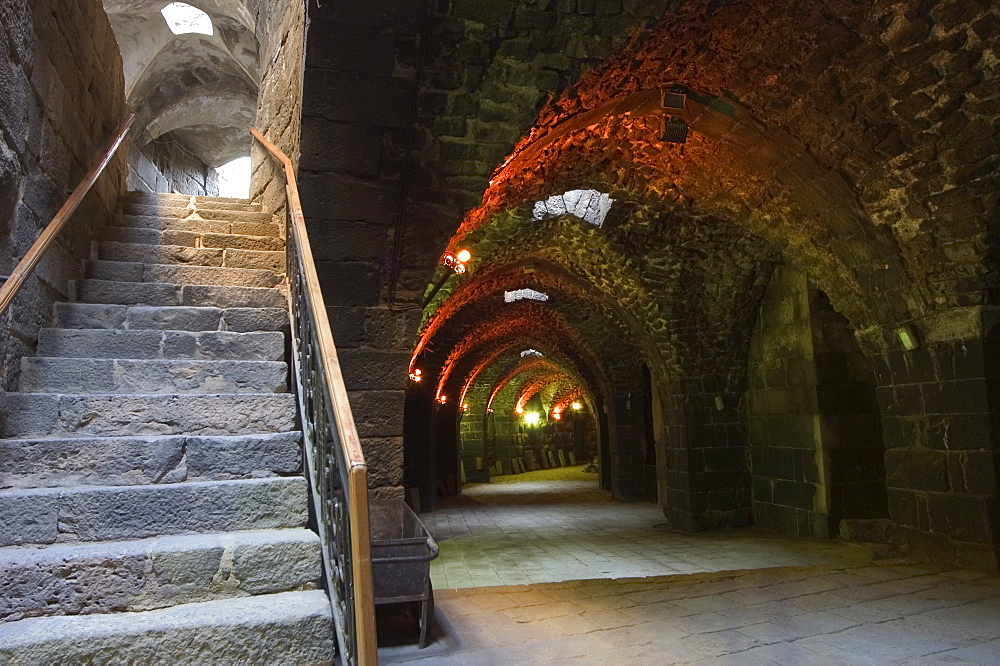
(234,179)
(183,19)
(518,294)
(589,205)
(531,352)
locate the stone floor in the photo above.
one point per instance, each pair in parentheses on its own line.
(556,525)
(584,580)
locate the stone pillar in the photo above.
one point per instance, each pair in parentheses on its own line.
(938,404)
(706,482)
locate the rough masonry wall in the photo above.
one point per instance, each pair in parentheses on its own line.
(63,97)
(163,165)
(281,35)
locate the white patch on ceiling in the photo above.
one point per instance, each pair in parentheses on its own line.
(589,205)
(518,294)
(183,19)
(234,179)
(531,352)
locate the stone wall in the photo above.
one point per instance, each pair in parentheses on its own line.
(163,165)
(63,98)
(816,447)
(281,35)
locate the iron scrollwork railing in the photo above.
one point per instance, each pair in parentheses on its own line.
(338,476)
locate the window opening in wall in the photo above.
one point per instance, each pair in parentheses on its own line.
(234,179)
(518,294)
(530,352)
(589,205)
(183,19)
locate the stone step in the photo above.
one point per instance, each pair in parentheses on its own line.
(126,271)
(134,461)
(249,224)
(162,294)
(192,256)
(135,196)
(140,575)
(284,628)
(172,318)
(204,211)
(32,415)
(111,513)
(139,461)
(192,239)
(198,345)
(92,375)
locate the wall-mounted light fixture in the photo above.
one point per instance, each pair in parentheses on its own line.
(674,130)
(442,399)
(456,262)
(577,406)
(415,376)
(531,418)
(907,337)
(465,407)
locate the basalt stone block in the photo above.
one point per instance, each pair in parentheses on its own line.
(267,260)
(374,369)
(228,297)
(244,456)
(162,254)
(378,414)
(293,627)
(59,375)
(102,415)
(88,461)
(156,573)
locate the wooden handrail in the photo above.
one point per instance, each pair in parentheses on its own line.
(364,599)
(27,264)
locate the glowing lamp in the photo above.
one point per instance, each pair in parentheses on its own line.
(442,399)
(465,407)
(415,375)
(463,256)
(577,406)
(519,409)
(531,418)
(556,415)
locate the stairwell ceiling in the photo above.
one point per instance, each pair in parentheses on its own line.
(200,88)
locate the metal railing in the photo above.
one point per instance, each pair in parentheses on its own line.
(337,471)
(13,283)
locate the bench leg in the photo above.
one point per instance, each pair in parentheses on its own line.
(426,615)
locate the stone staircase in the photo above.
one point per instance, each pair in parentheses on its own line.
(152,503)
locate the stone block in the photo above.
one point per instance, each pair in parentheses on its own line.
(378,414)
(295,626)
(916,469)
(367,369)
(327,196)
(349,283)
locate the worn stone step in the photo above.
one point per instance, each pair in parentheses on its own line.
(192,256)
(163,294)
(250,224)
(135,196)
(106,513)
(145,574)
(173,318)
(199,345)
(92,375)
(110,415)
(192,238)
(137,461)
(243,213)
(283,628)
(127,271)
